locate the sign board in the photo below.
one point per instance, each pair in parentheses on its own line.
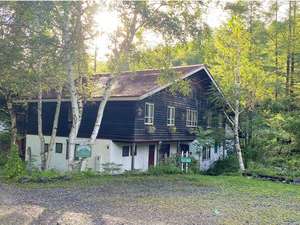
(185,159)
(83,151)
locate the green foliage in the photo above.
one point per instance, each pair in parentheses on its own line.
(194,166)
(205,136)
(14,166)
(38,175)
(228,165)
(169,166)
(89,173)
(3,158)
(164,169)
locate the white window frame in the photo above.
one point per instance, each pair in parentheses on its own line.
(171,116)
(191,117)
(149,119)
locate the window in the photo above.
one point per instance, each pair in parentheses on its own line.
(216,147)
(191,118)
(58,148)
(149,113)
(206,153)
(75,149)
(171,116)
(125,151)
(46,147)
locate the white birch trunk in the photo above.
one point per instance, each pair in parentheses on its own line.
(124,48)
(100,112)
(76,115)
(54,129)
(40,130)
(237,110)
(236,136)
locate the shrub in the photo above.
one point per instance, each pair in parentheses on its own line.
(224,166)
(14,166)
(89,173)
(3,158)
(169,166)
(164,169)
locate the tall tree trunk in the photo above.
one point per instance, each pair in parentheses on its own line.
(40,129)
(124,48)
(13,121)
(236,135)
(54,129)
(293,48)
(100,112)
(237,90)
(288,60)
(276,52)
(76,115)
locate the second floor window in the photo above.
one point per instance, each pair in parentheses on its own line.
(171,116)
(191,118)
(149,113)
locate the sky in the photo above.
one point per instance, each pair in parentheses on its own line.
(107,22)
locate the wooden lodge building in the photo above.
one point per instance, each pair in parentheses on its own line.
(143,122)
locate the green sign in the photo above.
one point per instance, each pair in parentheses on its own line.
(186,159)
(83,151)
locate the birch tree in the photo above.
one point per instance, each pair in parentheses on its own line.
(175,20)
(236,72)
(70,25)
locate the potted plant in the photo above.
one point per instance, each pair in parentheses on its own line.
(150,129)
(172,129)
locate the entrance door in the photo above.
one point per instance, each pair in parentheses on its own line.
(164,152)
(151,155)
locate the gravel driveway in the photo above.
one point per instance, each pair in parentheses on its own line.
(153,200)
(112,203)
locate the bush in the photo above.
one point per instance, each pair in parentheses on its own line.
(89,173)
(277,166)
(224,166)
(14,166)
(169,166)
(3,158)
(164,169)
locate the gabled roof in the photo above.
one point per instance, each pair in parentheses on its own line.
(138,84)
(135,85)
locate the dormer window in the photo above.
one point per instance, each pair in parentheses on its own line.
(149,113)
(191,117)
(171,116)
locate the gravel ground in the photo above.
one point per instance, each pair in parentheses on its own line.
(113,203)
(158,201)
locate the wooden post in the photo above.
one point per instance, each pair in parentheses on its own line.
(186,164)
(133,150)
(182,162)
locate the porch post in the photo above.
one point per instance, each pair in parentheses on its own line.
(133,151)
